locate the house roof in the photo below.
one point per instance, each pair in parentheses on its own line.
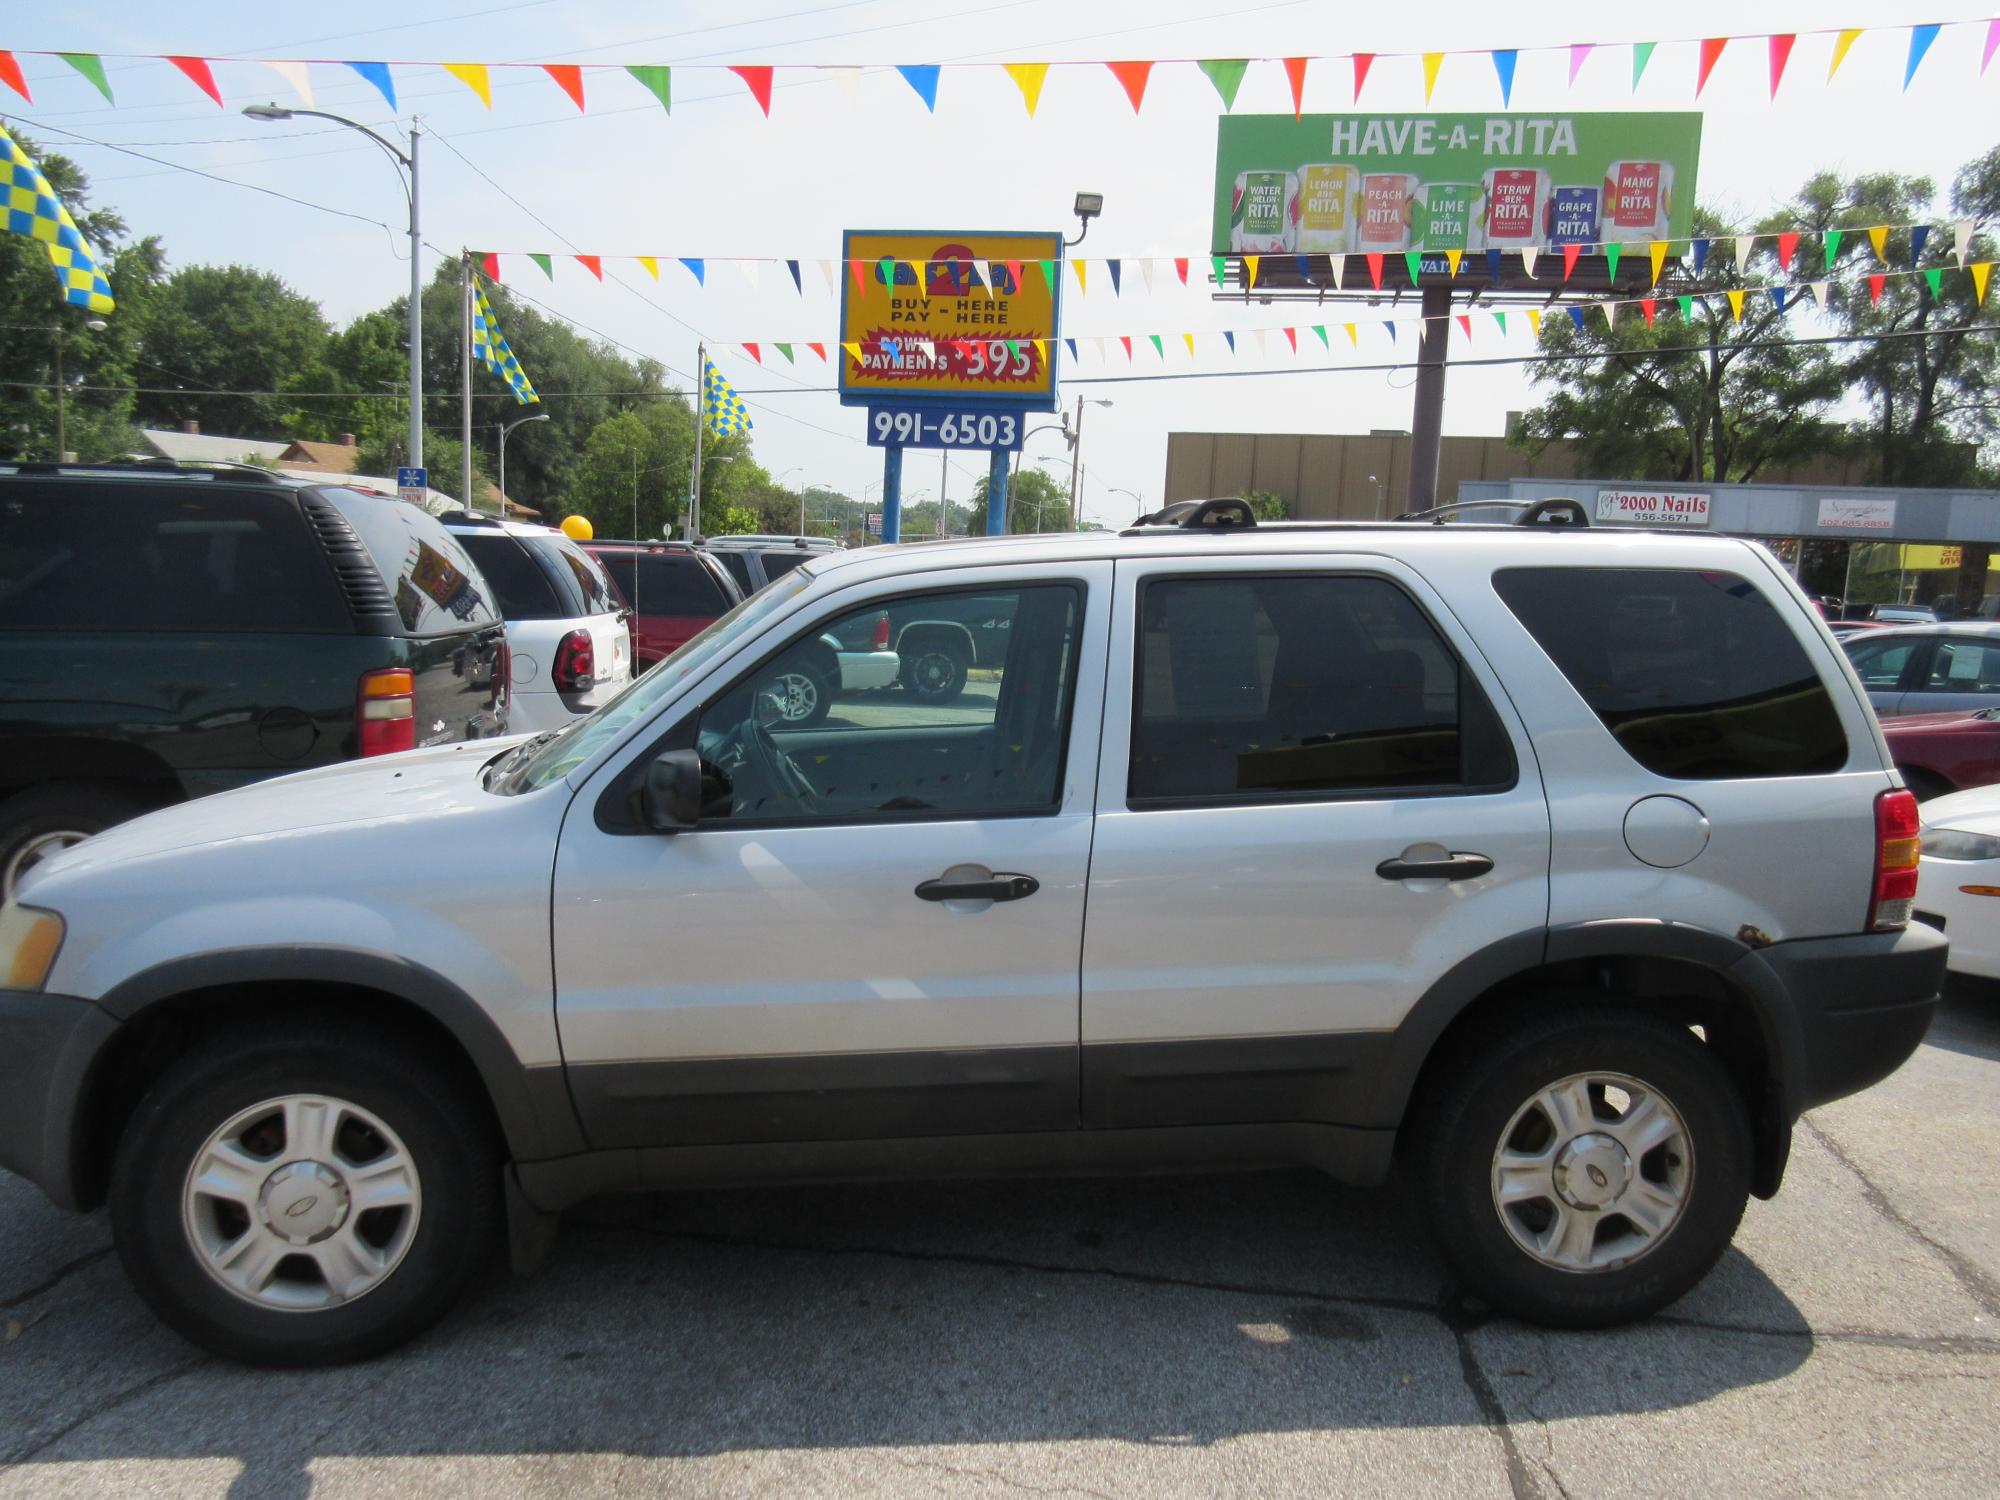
(320,458)
(202,447)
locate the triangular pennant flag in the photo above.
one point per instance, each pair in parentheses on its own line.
(1788,246)
(1832,247)
(1646,306)
(1992,44)
(1190,344)
(474,77)
(1501,319)
(1921,38)
(1711,52)
(1076,265)
(298,77)
(1146,271)
(858,269)
(1781,53)
(1432,62)
(1374,259)
(1535,320)
(1158,347)
(1504,60)
(1700,249)
(1961,240)
(797,285)
(1980,269)
(1392,329)
(1320,329)
(1528,254)
(920,277)
(10,74)
(1934,278)
(650,264)
(1570,253)
(1840,45)
(1919,236)
(91,66)
(1295,74)
(820,350)
(751,350)
(1041,351)
(1686,307)
(1028,78)
(786,350)
(1250,264)
(569,78)
(1115,267)
(1221,269)
(1642,53)
(852,351)
(1878,237)
(830,270)
(849,80)
(1657,252)
(1819,293)
(1876,281)
(658,81)
(1230,339)
(489,263)
(1612,251)
(593,264)
(1745,243)
(1226,73)
(1363,61)
(1778,298)
(923,77)
(1492,265)
(1578,51)
(1736,303)
(1132,77)
(1181,268)
(200,75)
(1576,316)
(378,74)
(1415,261)
(1465,324)
(982,274)
(753,273)
(1452,258)
(698,266)
(758,80)
(1260,336)
(547,263)
(1292,338)
(1071,344)
(1353,334)
(1126,340)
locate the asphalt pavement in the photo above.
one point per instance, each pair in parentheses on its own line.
(1269,1335)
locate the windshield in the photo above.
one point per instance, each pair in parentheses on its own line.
(549,760)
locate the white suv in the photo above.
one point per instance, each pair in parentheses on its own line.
(1567,866)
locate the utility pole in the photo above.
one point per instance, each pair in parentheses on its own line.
(944,476)
(700,421)
(1075,451)
(465,389)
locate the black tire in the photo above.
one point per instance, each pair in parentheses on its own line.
(444,1129)
(1924,785)
(805,694)
(28,820)
(1463,1114)
(934,671)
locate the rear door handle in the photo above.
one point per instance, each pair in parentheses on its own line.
(1002,887)
(1452,867)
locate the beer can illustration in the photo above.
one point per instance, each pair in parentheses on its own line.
(1260,212)
(1571,216)
(1442,217)
(1323,209)
(1512,214)
(1385,205)
(1638,200)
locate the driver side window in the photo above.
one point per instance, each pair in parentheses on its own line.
(950,704)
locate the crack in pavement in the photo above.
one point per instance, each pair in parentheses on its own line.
(103,1408)
(1022,1485)
(1462,1323)
(56,1277)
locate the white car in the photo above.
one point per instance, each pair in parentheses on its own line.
(566,629)
(1959,873)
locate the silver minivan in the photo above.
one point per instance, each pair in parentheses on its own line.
(1925,669)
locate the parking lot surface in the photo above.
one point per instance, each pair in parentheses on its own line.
(1269,1335)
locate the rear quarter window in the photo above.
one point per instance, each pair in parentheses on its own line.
(666,583)
(521,587)
(1695,674)
(436,587)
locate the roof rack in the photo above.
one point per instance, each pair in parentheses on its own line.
(1557,510)
(1228,513)
(139,463)
(1232,514)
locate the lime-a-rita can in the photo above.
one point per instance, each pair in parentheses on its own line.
(1442,216)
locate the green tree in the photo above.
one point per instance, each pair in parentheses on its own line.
(634,470)
(444,456)
(1266,506)
(1035,502)
(226,328)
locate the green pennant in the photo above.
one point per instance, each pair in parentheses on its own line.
(786,350)
(1221,264)
(1933,277)
(1501,319)
(1320,329)
(659,80)
(91,66)
(1415,262)
(1048,274)
(886,269)
(1158,347)
(1612,250)
(547,264)
(1014,349)
(1226,73)
(1687,308)
(1642,53)
(1832,247)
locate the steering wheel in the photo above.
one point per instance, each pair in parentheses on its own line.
(775,769)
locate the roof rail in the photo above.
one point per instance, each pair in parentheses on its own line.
(1228,513)
(1557,510)
(137,463)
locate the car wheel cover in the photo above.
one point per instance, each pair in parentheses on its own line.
(1593,1172)
(797,695)
(38,848)
(933,672)
(301,1203)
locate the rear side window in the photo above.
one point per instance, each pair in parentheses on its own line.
(1962,666)
(1694,673)
(576,571)
(1268,687)
(522,587)
(154,557)
(436,587)
(739,569)
(666,584)
(776,563)
(1880,664)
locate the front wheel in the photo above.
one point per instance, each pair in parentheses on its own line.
(303,1197)
(1586,1168)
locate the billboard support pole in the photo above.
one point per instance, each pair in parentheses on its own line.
(1427,419)
(892,495)
(996,494)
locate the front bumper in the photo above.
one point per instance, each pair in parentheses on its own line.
(48,1044)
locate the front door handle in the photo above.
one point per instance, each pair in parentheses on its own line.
(1002,887)
(1451,867)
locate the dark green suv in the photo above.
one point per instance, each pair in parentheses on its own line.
(167,632)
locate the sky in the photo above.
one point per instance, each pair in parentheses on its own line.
(715,178)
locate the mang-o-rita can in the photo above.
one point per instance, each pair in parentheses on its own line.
(1260,212)
(1638,200)
(1383,209)
(1323,209)
(1442,217)
(1510,218)
(1571,215)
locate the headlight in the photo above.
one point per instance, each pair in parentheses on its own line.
(29,940)
(1953,843)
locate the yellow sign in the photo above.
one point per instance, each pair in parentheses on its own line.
(959,317)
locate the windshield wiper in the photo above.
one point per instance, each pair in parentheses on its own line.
(505,765)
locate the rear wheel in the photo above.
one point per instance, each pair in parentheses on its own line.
(45,820)
(1586,1168)
(934,672)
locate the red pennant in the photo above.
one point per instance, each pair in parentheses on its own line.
(593,264)
(1014,270)
(1181,265)
(1711,51)
(1374,259)
(1646,306)
(1781,53)
(490,264)
(198,73)
(1465,322)
(1292,338)
(1295,69)
(1570,253)
(1788,244)
(857,267)
(569,78)
(1363,61)
(1133,76)
(1126,340)
(10,74)
(1875,283)
(752,351)
(759,79)
(819,349)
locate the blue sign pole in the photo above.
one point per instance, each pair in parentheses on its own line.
(996,494)
(892,494)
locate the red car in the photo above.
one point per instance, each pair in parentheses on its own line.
(672,589)
(1946,752)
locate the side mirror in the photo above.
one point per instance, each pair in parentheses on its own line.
(670,799)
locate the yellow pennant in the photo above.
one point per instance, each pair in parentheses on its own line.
(1432,62)
(853,352)
(1840,46)
(1353,337)
(652,265)
(1658,250)
(1535,320)
(1042,352)
(917,273)
(1077,266)
(1879,238)
(1028,78)
(1452,258)
(1190,337)
(1250,263)
(473,76)
(1736,304)
(1980,269)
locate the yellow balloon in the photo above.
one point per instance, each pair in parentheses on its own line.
(578,528)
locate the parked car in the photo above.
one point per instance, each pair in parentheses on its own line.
(566,626)
(1903,614)
(755,560)
(672,589)
(169,632)
(1939,754)
(1916,669)
(940,639)
(1959,874)
(1565,867)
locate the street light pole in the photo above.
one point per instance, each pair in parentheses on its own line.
(506,428)
(1076,450)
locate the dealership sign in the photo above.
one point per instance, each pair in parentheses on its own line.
(1857,515)
(1653,507)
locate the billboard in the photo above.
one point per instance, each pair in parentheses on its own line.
(1326,185)
(943,317)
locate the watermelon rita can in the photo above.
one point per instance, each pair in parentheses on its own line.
(1260,212)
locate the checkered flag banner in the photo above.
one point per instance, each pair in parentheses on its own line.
(720,407)
(34,210)
(489,347)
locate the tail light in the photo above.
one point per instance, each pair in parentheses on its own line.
(880,640)
(1897,844)
(385,711)
(576,663)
